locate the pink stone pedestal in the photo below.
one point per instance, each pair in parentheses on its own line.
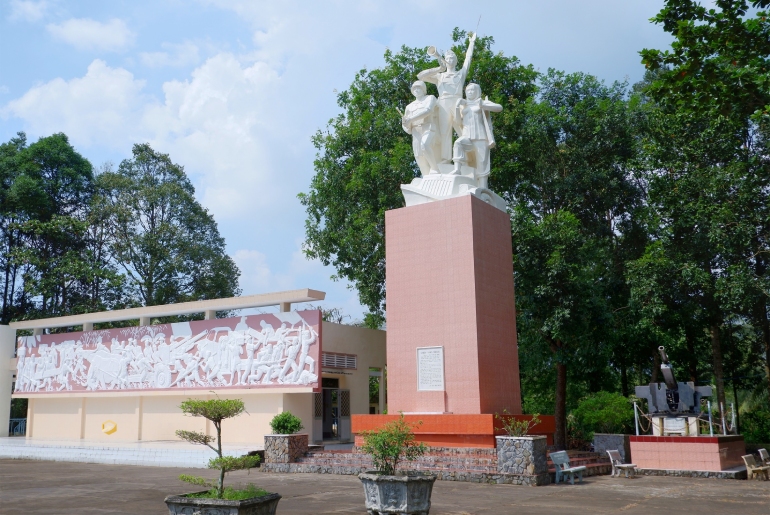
(688,453)
(449,283)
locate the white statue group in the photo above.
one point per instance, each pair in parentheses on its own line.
(213,357)
(432,121)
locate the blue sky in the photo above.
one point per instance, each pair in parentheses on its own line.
(234,89)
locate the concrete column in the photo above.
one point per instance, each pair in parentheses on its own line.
(82,414)
(144,320)
(383,387)
(37,331)
(139,409)
(285,307)
(7,351)
(30,417)
(211,314)
(88,326)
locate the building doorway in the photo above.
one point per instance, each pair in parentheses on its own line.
(336,411)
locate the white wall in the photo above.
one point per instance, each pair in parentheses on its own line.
(368,345)
(7,369)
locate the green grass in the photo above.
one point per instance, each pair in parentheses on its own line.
(232,494)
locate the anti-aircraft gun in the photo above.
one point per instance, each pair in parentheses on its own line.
(673,406)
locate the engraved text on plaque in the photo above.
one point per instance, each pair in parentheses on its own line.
(430,368)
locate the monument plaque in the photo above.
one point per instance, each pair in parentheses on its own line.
(430,369)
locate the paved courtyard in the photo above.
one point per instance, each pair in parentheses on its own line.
(31,487)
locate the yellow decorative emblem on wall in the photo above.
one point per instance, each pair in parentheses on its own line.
(109,427)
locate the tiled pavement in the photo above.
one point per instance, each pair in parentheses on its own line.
(37,487)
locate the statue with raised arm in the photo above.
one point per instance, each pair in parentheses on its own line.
(419,120)
(473,146)
(450,83)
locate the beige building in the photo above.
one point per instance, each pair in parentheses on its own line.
(127,386)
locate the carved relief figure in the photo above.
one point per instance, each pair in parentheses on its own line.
(449,82)
(473,146)
(212,358)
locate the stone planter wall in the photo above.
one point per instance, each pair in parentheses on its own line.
(524,456)
(604,442)
(285,448)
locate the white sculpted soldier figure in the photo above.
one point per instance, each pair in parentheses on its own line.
(477,138)
(449,82)
(419,120)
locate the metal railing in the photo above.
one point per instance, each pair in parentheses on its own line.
(17,427)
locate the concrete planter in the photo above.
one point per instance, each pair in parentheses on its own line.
(285,448)
(408,493)
(183,505)
(604,442)
(524,456)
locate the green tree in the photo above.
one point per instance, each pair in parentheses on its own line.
(47,259)
(167,244)
(364,156)
(215,410)
(719,62)
(713,84)
(574,199)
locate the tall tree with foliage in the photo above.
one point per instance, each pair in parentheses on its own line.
(47,260)
(364,156)
(572,190)
(167,244)
(716,77)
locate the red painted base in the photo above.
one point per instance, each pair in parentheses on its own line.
(449,430)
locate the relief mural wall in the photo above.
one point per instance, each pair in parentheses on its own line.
(272,350)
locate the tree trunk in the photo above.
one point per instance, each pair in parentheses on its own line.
(624,377)
(693,361)
(560,411)
(761,319)
(221,485)
(716,356)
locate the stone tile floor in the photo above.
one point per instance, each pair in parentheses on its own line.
(32,487)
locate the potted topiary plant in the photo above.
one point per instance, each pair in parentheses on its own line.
(285,445)
(217,499)
(386,489)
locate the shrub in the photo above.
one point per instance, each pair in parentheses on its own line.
(215,410)
(604,412)
(391,444)
(286,424)
(514,427)
(755,426)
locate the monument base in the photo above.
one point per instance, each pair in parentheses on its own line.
(688,453)
(450,430)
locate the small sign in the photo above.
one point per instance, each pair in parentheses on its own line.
(430,368)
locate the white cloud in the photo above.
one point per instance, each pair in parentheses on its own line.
(224,123)
(100,107)
(88,34)
(183,54)
(27,10)
(256,276)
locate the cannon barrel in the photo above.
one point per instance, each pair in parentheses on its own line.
(667,370)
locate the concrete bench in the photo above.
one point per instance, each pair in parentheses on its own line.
(561,463)
(618,466)
(752,469)
(764,457)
